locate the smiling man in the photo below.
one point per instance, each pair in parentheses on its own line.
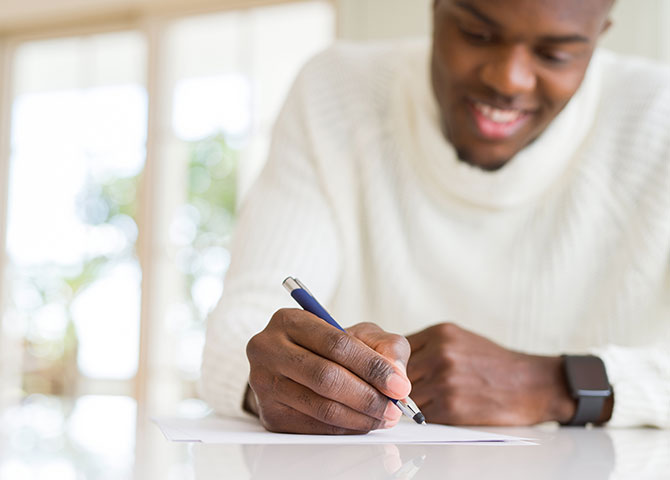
(502,73)
(498,200)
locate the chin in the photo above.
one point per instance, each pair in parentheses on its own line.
(488,162)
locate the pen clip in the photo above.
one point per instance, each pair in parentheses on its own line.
(291,283)
(302,285)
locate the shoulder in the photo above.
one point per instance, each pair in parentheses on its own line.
(634,108)
(635,88)
(344,92)
(625,70)
(361,71)
(630,145)
(365,58)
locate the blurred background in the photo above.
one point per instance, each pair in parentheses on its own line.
(130,130)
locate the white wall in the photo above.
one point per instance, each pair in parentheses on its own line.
(374,19)
(640,26)
(33,16)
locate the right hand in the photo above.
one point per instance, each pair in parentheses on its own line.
(308,377)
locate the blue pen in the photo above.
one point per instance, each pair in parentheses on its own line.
(306,300)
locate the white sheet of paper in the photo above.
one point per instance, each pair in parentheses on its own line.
(249,431)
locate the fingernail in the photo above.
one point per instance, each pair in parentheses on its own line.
(398,385)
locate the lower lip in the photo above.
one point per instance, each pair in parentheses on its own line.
(494,130)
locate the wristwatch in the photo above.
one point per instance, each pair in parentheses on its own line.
(589,386)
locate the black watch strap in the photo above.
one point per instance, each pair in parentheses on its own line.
(589,410)
(589,386)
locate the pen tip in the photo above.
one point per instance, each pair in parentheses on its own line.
(419,418)
(423,423)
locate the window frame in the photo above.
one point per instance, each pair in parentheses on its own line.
(152,22)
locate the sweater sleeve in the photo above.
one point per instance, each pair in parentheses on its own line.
(640,374)
(285,227)
(640,378)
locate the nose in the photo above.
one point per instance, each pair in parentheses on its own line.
(510,73)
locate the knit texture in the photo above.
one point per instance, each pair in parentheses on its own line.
(566,249)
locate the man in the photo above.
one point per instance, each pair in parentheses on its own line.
(505,194)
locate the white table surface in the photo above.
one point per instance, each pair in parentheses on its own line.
(562,453)
(102,438)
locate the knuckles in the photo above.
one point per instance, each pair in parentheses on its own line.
(260,346)
(273,419)
(400,347)
(328,378)
(447,357)
(447,330)
(254,347)
(329,412)
(448,385)
(280,319)
(261,383)
(339,345)
(373,404)
(377,370)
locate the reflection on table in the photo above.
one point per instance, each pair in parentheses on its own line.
(561,453)
(105,437)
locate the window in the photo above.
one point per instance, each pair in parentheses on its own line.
(129,151)
(78,143)
(221,106)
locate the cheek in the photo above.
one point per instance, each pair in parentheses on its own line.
(462,60)
(449,78)
(455,62)
(558,89)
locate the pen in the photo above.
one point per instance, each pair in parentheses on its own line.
(410,468)
(306,300)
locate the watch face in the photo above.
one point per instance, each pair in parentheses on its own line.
(587,376)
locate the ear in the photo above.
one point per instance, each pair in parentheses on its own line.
(606,26)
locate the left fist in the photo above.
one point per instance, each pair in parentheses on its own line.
(460,378)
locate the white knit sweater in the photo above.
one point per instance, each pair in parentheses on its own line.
(566,249)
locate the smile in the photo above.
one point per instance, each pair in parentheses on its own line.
(497,115)
(497,123)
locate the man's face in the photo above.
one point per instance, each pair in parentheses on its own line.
(502,70)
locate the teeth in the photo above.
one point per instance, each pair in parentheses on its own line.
(496,115)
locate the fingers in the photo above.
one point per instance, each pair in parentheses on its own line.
(424,364)
(350,352)
(419,340)
(437,348)
(462,378)
(422,393)
(302,367)
(282,418)
(392,346)
(331,381)
(331,412)
(441,333)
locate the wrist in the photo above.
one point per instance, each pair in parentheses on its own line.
(561,406)
(548,394)
(608,408)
